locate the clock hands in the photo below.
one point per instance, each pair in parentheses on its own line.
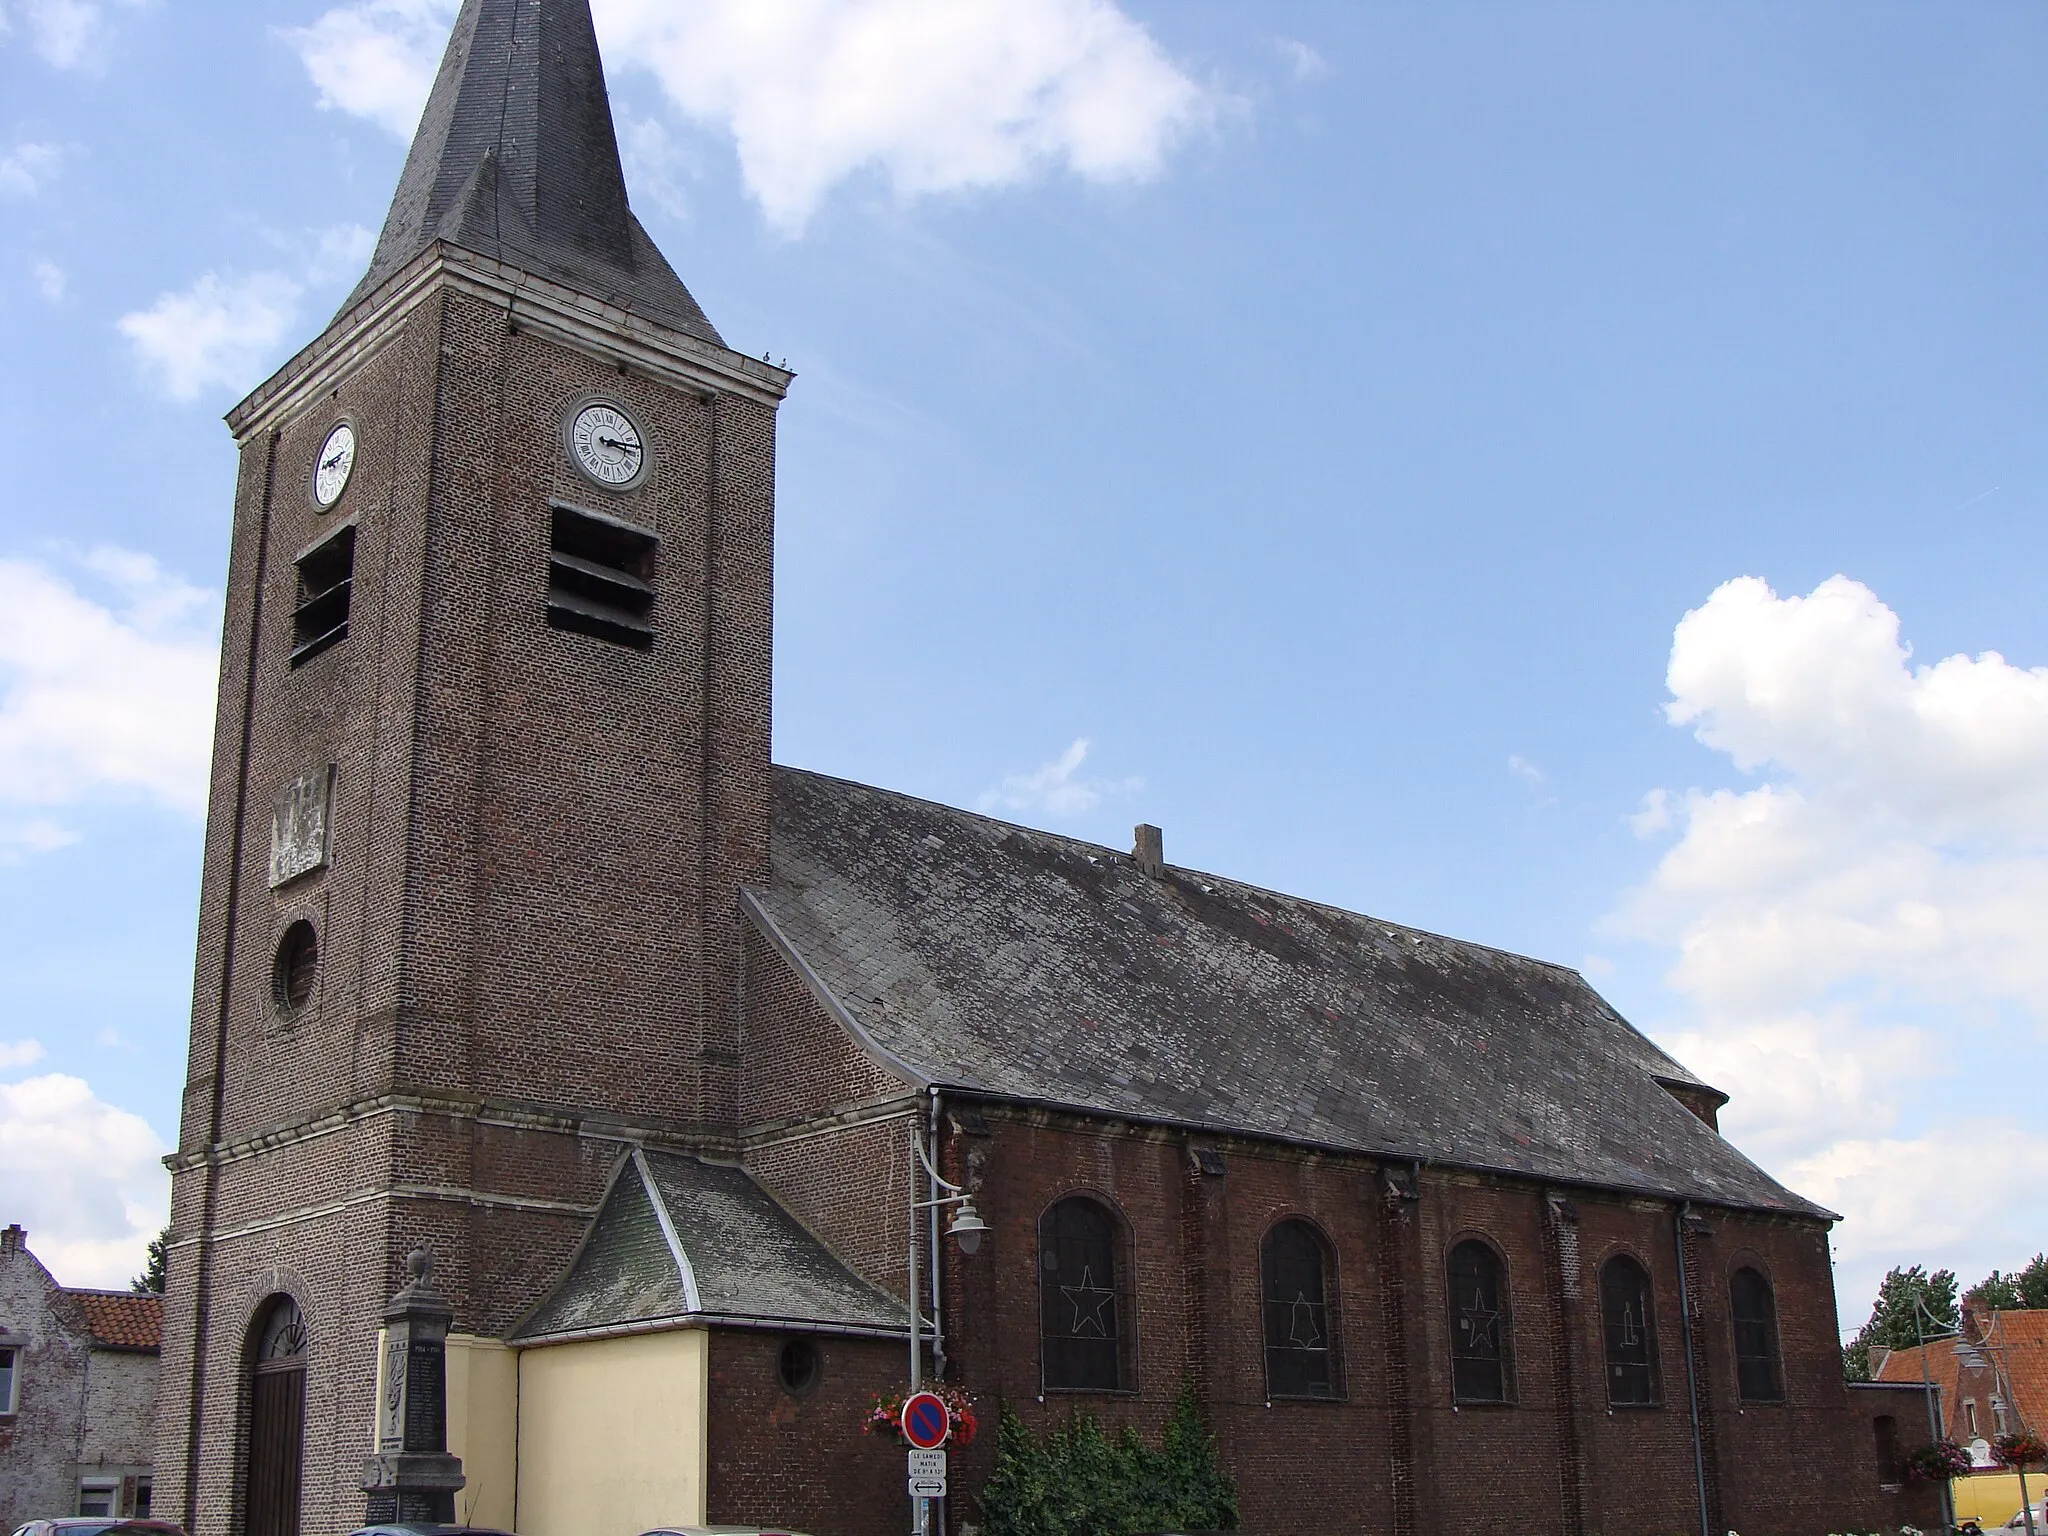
(334,462)
(623,447)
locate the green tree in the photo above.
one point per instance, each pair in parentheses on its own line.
(1076,1480)
(155,1266)
(1891,1320)
(2023,1291)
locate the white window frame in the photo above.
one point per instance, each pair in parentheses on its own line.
(110,1486)
(10,1395)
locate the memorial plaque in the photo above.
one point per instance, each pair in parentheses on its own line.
(298,826)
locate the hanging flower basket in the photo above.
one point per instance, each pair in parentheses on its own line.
(1941,1462)
(885,1414)
(2019,1451)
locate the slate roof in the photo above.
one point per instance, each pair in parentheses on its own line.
(996,960)
(516,158)
(680,1241)
(131,1320)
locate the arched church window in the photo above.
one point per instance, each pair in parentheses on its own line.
(1758,1372)
(1631,1333)
(277,1421)
(1481,1369)
(1080,1301)
(1300,1353)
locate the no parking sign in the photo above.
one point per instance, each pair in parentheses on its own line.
(926,1423)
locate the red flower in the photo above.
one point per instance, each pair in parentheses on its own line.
(2021,1450)
(885,1414)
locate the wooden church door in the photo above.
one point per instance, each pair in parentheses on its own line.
(277,1423)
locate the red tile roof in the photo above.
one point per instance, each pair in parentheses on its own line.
(121,1319)
(2015,1342)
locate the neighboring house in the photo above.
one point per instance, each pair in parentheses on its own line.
(77,1393)
(1993,1380)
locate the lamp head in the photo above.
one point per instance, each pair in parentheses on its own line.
(967,1228)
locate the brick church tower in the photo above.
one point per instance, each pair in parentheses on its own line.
(491,760)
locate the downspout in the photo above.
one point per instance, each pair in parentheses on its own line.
(1692,1385)
(938,1318)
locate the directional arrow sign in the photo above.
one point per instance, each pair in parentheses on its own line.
(927,1474)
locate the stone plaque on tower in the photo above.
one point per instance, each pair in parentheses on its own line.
(298,826)
(412,1477)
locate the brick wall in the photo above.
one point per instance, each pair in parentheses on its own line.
(1556,1458)
(530,951)
(802,1460)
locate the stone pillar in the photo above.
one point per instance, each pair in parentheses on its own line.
(412,1477)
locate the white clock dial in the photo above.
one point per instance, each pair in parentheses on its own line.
(607,446)
(337,460)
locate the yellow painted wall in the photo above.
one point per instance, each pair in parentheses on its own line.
(483,1427)
(1992,1498)
(612,1435)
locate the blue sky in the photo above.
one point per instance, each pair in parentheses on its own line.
(1305,426)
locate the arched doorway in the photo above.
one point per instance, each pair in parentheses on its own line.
(277,1421)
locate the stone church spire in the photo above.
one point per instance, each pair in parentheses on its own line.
(516,158)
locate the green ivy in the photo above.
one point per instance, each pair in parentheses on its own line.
(1077,1481)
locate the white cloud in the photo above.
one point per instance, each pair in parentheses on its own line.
(51,282)
(216,334)
(70,34)
(1306,63)
(375,60)
(931,95)
(1527,772)
(1056,788)
(222,333)
(21,840)
(1857,931)
(102,696)
(86,1179)
(19,1053)
(28,167)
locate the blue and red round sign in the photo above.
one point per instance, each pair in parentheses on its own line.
(925,1421)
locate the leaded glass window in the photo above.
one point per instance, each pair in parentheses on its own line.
(1480,1359)
(1080,1306)
(1757,1368)
(1631,1333)
(1300,1354)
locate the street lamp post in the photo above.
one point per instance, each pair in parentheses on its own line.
(967,1229)
(1934,1425)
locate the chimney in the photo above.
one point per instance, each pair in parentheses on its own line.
(1149,850)
(14,1239)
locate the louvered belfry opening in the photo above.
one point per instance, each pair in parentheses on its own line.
(601,577)
(296,969)
(326,585)
(277,1423)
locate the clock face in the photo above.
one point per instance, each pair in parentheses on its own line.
(337,460)
(607,445)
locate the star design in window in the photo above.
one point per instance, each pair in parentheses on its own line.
(1091,1304)
(1480,1325)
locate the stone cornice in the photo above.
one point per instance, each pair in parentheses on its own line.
(589,1125)
(531,303)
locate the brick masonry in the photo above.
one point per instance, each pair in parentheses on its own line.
(1393,1452)
(530,954)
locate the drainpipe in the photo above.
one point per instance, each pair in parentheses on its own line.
(1692,1384)
(938,1318)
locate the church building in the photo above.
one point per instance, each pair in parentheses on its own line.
(705,1081)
